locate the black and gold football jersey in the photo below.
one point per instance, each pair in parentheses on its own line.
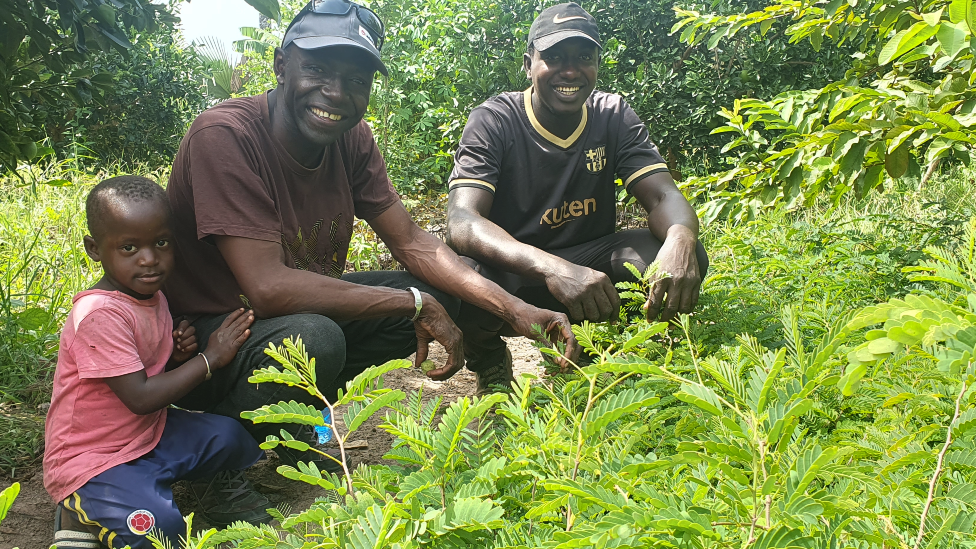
(551,192)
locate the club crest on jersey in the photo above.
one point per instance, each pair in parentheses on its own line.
(140,522)
(596,159)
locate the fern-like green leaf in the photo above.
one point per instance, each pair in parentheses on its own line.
(547,507)
(286,412)
(784,538)
(362,413)
(469,514)
(616,406)
(961,459)
(701,397)
(271,374)
(310,474)
(906,460)
(805,469)
(965,424)
(367,380)
(625,364)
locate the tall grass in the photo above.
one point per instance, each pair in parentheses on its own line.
(42,265)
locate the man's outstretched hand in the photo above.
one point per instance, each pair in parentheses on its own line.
(556,328)
(677,258)
(435,324)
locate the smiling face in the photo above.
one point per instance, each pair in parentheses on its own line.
(564,76)
(321,94)
(134,246)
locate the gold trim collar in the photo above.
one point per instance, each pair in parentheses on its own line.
(549,136)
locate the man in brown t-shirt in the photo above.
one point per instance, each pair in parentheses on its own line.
(264,190)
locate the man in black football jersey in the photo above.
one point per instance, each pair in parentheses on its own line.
(533,196)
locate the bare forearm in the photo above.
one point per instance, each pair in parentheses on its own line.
(433,262)
(272,289)
(671,213)
(668,211)
(294,291)
(476,236)
(145,395)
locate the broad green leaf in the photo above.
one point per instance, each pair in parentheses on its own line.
(896,162)
(33,318)
(905,41)
(953,37)
(958,10)
(932,18)
(267,8)
(7,497)
(883,346)
(718,35)
(971,16)
(852,377)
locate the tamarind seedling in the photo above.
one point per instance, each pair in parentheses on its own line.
(427,365)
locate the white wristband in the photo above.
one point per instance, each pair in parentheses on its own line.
(207,362)
(417,301)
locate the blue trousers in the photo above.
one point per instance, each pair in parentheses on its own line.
(129,500)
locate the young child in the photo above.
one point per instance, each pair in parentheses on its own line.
(113,449)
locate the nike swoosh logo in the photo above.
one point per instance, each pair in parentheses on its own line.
(557,20)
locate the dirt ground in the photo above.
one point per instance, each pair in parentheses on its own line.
(30,523)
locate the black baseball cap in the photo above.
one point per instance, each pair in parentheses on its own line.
(562,21)
(324,23)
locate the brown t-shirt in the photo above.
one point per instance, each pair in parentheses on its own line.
(231,177)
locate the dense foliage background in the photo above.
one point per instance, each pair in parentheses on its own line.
(447,56)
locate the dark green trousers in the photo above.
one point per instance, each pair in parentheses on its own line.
(342,350)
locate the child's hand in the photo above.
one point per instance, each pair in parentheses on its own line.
(184,342)
(224,343)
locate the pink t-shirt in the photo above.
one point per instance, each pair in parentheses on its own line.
(89,430)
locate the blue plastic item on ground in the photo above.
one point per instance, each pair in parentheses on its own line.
(324,433)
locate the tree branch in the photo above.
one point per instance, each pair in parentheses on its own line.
(938,469)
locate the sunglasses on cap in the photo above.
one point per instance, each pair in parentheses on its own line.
(366,16)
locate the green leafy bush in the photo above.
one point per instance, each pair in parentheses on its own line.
(906,104)
(44,60)
(156,92)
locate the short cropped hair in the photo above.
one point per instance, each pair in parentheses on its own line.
(124,188)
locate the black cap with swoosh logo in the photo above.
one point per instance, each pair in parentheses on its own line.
(557,23)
